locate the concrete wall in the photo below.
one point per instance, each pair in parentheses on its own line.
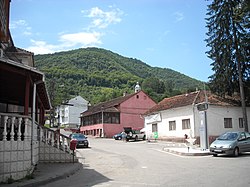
(48,153)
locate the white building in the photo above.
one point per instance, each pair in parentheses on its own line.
(175,117)
(69,113)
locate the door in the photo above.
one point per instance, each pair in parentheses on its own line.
(243,142)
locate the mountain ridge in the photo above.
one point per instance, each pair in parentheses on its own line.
(98,75)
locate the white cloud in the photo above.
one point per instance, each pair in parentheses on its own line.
(17,24)
(179,16)
(41,47)
(89,38)
(102,19)
(81,38)
(21,26)
(66,42)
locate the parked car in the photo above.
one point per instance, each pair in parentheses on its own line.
(118,136)
(134,134)
(81,140)
(231,143)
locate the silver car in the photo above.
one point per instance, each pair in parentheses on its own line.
(231,143)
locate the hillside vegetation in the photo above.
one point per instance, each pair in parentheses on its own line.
(99,75)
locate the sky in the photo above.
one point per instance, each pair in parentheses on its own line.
(161,33)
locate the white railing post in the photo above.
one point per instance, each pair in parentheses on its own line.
(12,132)
(26,128)
(5,120)
(19,129)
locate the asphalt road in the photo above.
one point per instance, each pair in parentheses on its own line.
(119,164)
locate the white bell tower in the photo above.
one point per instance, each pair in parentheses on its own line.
(137,87)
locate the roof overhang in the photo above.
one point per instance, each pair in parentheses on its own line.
(13,77)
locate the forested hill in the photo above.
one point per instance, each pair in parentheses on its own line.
(99,75)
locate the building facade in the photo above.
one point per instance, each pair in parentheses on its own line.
(24,141)
(109,118)
(68,114)
(181,117)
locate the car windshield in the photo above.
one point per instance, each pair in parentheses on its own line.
(76,136)
(228,136)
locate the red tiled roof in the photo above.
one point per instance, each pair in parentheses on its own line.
(190,99)
(109,106)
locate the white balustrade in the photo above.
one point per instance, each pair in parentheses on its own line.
(15,127)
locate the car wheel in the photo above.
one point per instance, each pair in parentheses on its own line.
(215,155)
(136,138)
(119,138)
(236,152)
(144,137)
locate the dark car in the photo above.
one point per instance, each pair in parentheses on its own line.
(81,140)
(118,136)
(231,143)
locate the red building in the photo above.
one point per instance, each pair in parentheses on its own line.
(108,118)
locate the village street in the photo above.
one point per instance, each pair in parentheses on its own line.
(115,163)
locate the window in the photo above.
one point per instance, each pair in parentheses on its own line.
(228,123)
(241,123)
(186,124)
(242,136)
(172,125)
(154,127)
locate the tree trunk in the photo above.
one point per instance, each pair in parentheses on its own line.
(242,94)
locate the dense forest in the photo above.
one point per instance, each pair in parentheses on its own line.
(99,75)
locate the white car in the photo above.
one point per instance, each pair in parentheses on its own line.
(134,134)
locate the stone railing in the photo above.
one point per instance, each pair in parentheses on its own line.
(14,127)
(17,157)
(54,138)
(23,145)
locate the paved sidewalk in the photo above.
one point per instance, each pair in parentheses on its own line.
(46,173)
(187,152)
(182,149)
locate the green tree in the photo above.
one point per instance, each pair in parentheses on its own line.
(154,84)
(227,34)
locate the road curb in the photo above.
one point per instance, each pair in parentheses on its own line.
(186,153)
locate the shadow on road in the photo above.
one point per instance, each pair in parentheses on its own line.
(88,177)
(247,154)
